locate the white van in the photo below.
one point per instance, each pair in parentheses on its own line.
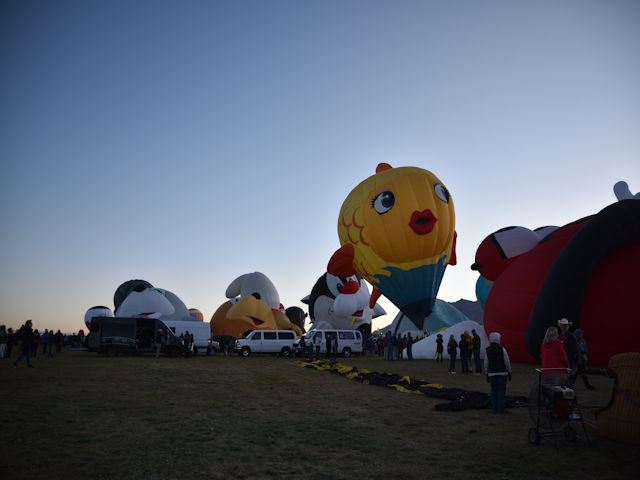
(201,335)
(349,341)
(267,341)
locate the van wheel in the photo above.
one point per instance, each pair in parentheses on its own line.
(286,351)
(245,351)
(346,352)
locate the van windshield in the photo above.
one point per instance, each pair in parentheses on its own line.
(309,335)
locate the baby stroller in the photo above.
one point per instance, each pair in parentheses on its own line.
(554,407)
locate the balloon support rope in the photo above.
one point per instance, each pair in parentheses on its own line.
(624,395)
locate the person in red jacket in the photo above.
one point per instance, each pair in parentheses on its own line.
(553,355)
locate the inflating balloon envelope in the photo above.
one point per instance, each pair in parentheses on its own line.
(397,230)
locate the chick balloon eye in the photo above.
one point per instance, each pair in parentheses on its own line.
(383,202)
(441,192)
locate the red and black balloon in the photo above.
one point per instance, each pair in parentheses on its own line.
(587,271)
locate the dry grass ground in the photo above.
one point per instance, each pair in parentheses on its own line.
(82,415)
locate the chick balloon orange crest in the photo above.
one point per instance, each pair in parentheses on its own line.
(397,230)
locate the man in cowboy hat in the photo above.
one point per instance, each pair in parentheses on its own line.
(568,339)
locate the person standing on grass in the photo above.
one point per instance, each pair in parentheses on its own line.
(409,346)
(11,338)
(469,352)
(52,339)
(302,345)
(391,340)
(3,340)
(333,341)
(582,358)
(57,338)
(553,355)
(439,348)
(187,343)
(400,346)
(158,342)
(35,343)
(310,350)
(26,335)
(464,349)
(497,371)
(476,352)
(451,350)
(317,342)
(44,340)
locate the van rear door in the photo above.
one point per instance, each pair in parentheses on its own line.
(347,338)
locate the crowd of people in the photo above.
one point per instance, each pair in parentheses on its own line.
(469,346)
(25,343)
(391,346)
(162,337)
(561,349)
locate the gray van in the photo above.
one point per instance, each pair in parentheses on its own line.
(267,341)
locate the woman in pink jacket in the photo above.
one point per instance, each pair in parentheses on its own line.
(553,355)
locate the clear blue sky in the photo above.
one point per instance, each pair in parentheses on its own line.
(188,142)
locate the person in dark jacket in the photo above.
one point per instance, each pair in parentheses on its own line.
(35,343)
(26,335)
(158,341)
(570,343)
(44,341)
(3,340)
(58,340)
(391,341)
(582,358)
(464,352)
(497,371)
(439,348)
(476,352)
(11,338)
(452,347)
(409,346)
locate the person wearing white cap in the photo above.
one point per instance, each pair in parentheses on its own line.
(497,369)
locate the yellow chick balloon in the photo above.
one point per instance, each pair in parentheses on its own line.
(397,230)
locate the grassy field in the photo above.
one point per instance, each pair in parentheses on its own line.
(82,415)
